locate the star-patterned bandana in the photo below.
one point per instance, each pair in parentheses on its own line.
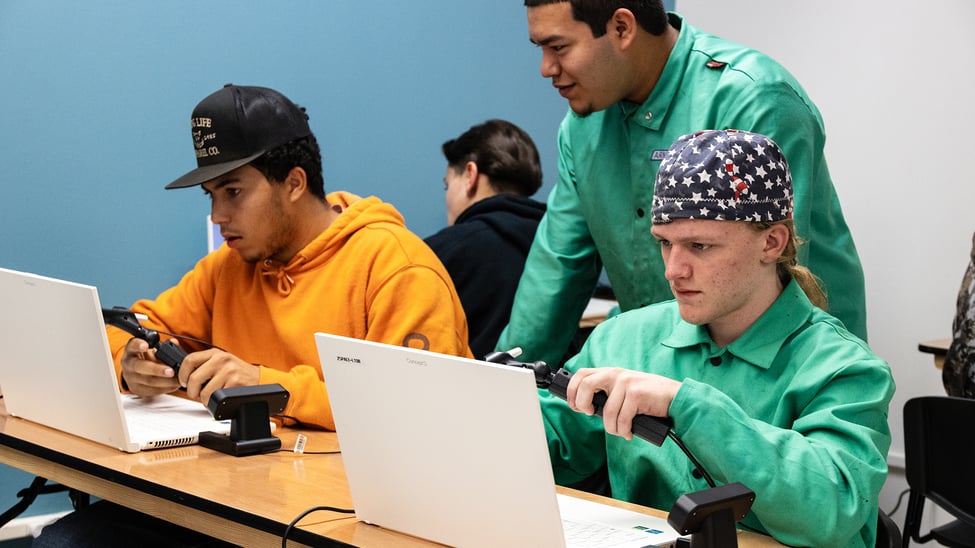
(726,175)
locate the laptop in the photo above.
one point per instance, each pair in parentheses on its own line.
(56,369)
(453,450)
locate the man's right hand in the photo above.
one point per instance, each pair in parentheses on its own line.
(143,373)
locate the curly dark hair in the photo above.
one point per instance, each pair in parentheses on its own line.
(649,14)
(276,163)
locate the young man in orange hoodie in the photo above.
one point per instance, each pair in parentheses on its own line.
(295,262)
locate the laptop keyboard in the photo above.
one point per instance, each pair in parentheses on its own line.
(587,534)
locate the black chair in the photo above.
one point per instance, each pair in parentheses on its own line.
(39,486)
(888,533)
(939,452)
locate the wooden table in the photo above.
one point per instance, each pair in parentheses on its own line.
(596,312)
(245,500)
(937,347)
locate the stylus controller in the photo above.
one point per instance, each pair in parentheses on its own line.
(171,354)
(167,352)
(652,429)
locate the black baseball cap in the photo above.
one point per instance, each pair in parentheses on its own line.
(235,125)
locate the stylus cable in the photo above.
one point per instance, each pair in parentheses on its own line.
(294,522)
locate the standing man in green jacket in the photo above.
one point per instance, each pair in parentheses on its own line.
(636,78)
(763,386)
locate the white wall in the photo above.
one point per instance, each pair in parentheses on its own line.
(894,83)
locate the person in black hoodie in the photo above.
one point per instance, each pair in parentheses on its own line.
(492,170)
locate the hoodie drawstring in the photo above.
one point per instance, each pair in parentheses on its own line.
(285,282)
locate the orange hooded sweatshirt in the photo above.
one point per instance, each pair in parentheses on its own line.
(366,276)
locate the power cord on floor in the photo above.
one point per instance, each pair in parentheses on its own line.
(900,498)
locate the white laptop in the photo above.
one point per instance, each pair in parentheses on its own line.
(56,369)
(453,450)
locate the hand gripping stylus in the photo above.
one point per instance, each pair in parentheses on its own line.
(652,429)
(168,352)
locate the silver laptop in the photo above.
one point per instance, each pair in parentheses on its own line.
(56,369)
(453,450)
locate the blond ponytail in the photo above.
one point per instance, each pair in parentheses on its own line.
(789,269)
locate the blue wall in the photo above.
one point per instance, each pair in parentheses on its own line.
(95,99)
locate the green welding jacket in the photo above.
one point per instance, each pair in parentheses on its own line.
(599,211)
(795,409)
